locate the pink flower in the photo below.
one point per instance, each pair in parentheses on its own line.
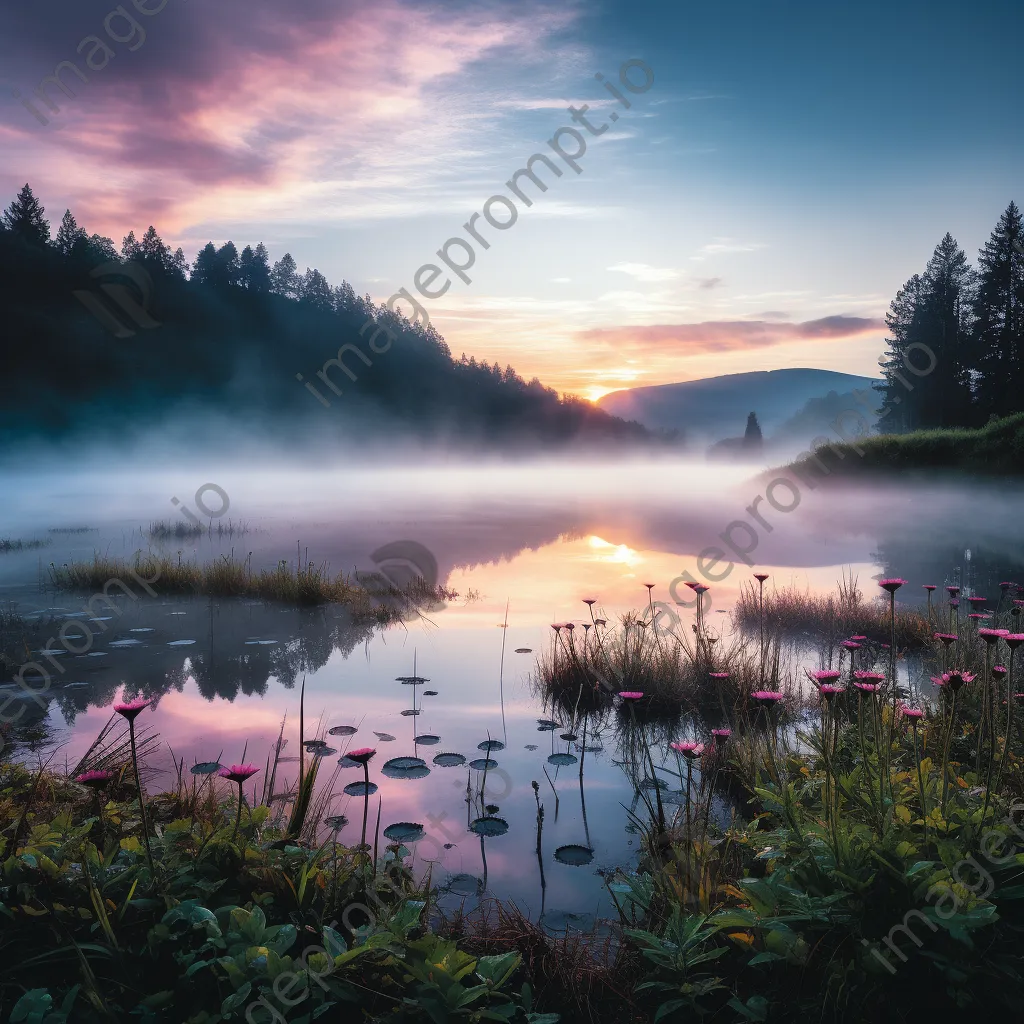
(830,689)
(892,585)
(701,588)
(760,576)
(1006,586)
(914,714)
(721,735)
(953,591)
(928,586)
(869,677)
(718,675)
(556,626)
(993,636)
(998,671)
(868,687)
(858,638)
(954,603)
(824,675)
(690,749)
(768,696)
(693,586)
(362,755)
(954,680)
(624,694)
(568,625)
(650,586)
(977,600)
(1014,640)
(851,645)
(590,600)
(947,638)
(238,772)
(978,615)
(95,779)
(129,709)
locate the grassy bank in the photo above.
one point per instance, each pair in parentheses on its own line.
(995,449)
(372,595)
(872,869)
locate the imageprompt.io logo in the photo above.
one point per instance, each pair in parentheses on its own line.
(133,304)
(400,563)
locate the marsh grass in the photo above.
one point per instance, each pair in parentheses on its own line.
(586,668)
(8,545)
(179,530)
(371,597)
(830,618)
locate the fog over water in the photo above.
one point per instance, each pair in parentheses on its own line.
(540,536)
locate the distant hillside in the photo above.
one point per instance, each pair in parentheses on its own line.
(717,407)
(98,342)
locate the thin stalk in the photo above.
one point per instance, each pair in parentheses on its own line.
(142,802)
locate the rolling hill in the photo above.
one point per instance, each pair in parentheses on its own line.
(717,407)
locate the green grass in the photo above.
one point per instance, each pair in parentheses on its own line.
(372,596)
(997,449)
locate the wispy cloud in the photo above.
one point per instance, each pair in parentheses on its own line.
(645,272)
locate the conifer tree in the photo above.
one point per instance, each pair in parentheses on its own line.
(284,278)
(25,218)
(69,236)
(999,318)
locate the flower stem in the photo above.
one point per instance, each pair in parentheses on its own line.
(142,802)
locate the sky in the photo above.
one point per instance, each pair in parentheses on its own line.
(781,169)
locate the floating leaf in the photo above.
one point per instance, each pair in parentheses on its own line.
(361,789)
(546,725)
(531,746)
(312,745)
(562,759)
(346,762)
(177,643)
(483,762)
(411,680)
(465,885)
(524,650)
(569,736)
(490,745)
(384,737)
(449,760)
(343,730)
(411,713)
(404,831)
(574,854)
(430,693)
(405,768)
(336,821)
(206,767)
(428,739)
(489,826)
(324,751)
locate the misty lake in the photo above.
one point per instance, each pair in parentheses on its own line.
(536,539)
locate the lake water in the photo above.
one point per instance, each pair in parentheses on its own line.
(536,539)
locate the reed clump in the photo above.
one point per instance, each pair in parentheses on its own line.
(370,596)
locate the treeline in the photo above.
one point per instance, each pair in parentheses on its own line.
(229,333)
(955,353)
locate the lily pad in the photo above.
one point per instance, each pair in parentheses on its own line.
(384,737)
(531,746)
(591,748)
(562,759)
(449,760)
(116,643)
(343,730)
(464,884)
(546,725)
(524,650)
(336,821)
(430,693)
(489,826)
(206,767)
(361,789)
(346,762)
(405,768)
(428,739)
(569,736)
(312,745)
(574,855)
(411,713)
(261,643)
(404,831)
(490,745)
(324,751)
(483,762)
(141,629)
(411,680)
